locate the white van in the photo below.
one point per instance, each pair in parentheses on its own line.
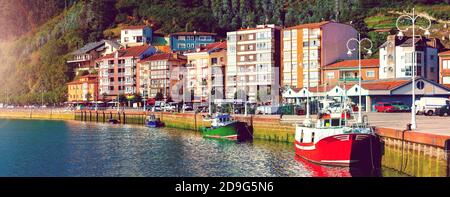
(267,109)
(428,105)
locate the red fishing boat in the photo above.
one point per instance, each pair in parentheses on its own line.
(331,141)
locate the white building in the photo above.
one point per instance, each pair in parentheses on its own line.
(396,58)
(135,35)
(253,63)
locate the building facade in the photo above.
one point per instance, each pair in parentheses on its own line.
(253,63)
(118,73)
(348,71)
(159,74)
(84,58)
(396,58)
(307,48)
(135,36)
(189,41)
(444,68)
(83,90)
(206,72)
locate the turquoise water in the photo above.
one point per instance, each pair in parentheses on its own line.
(71,148)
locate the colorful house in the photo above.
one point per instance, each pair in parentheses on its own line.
(135,35)
(348,70)
(159,73)
(185,41)
(118,71)
(206,72)
(83,90)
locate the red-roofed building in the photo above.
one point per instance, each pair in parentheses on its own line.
(118,71)
(135,35)
(444,68)
(348,70)
(307,48)
(159,73)
(83,90)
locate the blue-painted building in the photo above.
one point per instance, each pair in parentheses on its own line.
(186,41)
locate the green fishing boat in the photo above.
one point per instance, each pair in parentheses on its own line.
(223,127)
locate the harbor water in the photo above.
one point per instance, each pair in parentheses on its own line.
(73,148)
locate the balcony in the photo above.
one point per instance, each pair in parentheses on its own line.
(349,79)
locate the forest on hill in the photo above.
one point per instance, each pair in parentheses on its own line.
(36,36)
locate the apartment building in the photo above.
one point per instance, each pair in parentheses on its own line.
(253,62)
(444,68)
(396,57)
(307,48)
(159,74)
(206,72)
(117,71)
(189,41)
(135,35)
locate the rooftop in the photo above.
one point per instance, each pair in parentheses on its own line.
(309,25)
(194,33)
(128,52)
(164,56)
(134,27)
(365,63)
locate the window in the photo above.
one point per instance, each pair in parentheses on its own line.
(250,57)
(126,31)
(250,47)
(242,58)
(250,37)
(242,47)
(446,64)
(125,39)
(287,34)
(181,45)
(330,75)
(231,38)
(305,44)
(432,57)
(370,73)
(181,37)
(432,69)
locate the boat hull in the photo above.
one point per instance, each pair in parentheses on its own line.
(233,131)
(341,149)
(154,124)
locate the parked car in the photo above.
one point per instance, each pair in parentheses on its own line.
(400,106)
(384,107)
(443,111)
(428,105)
(267,109)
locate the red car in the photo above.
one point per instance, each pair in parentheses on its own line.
(384,107)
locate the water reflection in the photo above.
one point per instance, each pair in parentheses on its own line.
(69,148)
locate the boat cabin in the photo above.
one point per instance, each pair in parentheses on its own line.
(329,120)
(221,120)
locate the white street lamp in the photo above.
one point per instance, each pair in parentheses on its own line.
(413,18)
(359,41)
